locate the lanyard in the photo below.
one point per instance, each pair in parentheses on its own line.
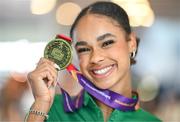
(110,98)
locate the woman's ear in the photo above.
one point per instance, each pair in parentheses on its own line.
(132,43)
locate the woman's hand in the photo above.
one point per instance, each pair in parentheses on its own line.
(43,81)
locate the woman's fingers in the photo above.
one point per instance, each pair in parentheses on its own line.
(45,71)
(42,78)
(42,60)
(49,68)
(52,72)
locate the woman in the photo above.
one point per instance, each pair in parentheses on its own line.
(106,49)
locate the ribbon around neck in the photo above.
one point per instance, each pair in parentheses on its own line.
(110,98)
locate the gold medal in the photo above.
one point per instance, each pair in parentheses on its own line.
(59,51)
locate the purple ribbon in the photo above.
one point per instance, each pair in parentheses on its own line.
(110,98)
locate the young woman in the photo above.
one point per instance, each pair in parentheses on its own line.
(106,48)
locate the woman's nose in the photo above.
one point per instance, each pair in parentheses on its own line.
(97,56)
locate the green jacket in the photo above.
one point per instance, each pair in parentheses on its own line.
(90,112)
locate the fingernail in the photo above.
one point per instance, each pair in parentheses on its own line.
(56,66)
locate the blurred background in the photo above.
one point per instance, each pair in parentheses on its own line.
(26,26)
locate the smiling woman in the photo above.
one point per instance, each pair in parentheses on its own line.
(106,53)
(104,43)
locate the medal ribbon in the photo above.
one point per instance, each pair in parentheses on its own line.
(110,98)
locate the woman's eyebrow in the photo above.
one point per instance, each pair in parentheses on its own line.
(80,43)
(102,37)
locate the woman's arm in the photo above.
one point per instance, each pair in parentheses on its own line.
(43,82)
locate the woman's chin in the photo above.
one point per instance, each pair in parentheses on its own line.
(103,85)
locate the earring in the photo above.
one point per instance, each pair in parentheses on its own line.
(133,54)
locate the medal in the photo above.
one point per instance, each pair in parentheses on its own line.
(59,51)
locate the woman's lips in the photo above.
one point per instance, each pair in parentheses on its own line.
(103,72)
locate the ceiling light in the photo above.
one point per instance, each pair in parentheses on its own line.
(67,12)
(139,11)
(42,6)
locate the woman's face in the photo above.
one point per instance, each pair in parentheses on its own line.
(103,51)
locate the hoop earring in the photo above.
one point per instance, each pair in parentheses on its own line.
(133,54)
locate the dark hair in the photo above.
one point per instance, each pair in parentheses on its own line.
(108,9)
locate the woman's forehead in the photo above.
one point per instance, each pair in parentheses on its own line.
(91,22)
(97,17)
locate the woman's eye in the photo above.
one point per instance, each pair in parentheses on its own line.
(81,50)
(107,43)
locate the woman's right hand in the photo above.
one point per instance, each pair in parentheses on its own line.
(43,81)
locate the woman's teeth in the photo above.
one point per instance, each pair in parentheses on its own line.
(102,71)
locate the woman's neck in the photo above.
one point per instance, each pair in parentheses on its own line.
(124,88)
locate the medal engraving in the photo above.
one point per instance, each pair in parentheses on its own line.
(60,52)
